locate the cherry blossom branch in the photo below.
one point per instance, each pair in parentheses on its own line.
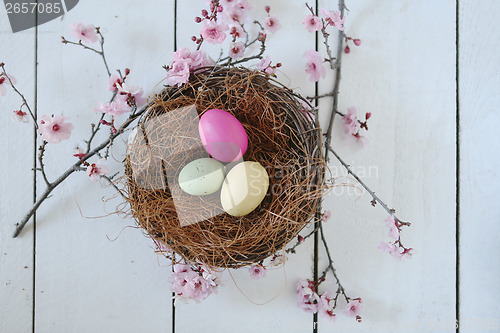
(73,168)
(101,52)
(95,128)
(25,102)
(260,38)
(336,86)
(375,198)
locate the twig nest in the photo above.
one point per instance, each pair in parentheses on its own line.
(283,141)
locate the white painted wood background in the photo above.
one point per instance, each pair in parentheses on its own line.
(65,275)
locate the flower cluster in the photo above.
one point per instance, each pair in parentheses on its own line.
(193,284)
(353,126)
(184,61)
(395,248)
(324,304)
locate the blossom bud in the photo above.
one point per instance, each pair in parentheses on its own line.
(300,238)
(268,9)
(347,49)
(127,71)
(197,19)
(220,9)
(204,13)
(193,38)
(368,115)
(357,41)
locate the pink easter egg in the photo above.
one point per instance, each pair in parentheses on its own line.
(222,135)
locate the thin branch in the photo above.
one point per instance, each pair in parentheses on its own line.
(374,196)
(25,102)
(336,86)
(101,52)
(330,264)
(40,161)
(316,228)
(73,168)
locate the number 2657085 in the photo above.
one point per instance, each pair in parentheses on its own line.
(33,7)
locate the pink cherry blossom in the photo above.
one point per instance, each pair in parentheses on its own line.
(257,271)
(271,23)
(354,307)
(85,33)
(235,10)
(265,65)
(115,108)
(393,229)
(326,305)
(190,285)
(79,153)
(178,73)
(113,81)
(96,170)
(326,215)
(314,65)
(396,251)
(130,94)
(312,23)
(236,50)
(4,81)
(390,248)
(54,129)
(360,140)
(333,18)
(213,32)
(350,121)
(19,116)
(308,299)
(236,30)
(184,61)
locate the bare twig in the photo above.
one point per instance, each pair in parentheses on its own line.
(330,265)
(40,161)
(374,196)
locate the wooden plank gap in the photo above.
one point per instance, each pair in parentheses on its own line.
(35,134)
(457,213)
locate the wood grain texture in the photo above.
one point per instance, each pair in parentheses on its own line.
(479,82)
(230,310)
(404,74)
(16,255)
(86,280)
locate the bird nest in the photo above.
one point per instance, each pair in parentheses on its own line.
(282,137)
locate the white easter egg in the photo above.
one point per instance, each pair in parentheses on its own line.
(244,188)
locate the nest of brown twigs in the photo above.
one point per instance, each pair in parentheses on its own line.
(281,137)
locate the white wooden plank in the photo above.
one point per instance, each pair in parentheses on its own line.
(404,74)
(85,282)
(226,311)
(479,158)
(16,255)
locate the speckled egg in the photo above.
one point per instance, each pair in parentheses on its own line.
(202,176)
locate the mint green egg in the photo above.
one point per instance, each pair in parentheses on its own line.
(202,176)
